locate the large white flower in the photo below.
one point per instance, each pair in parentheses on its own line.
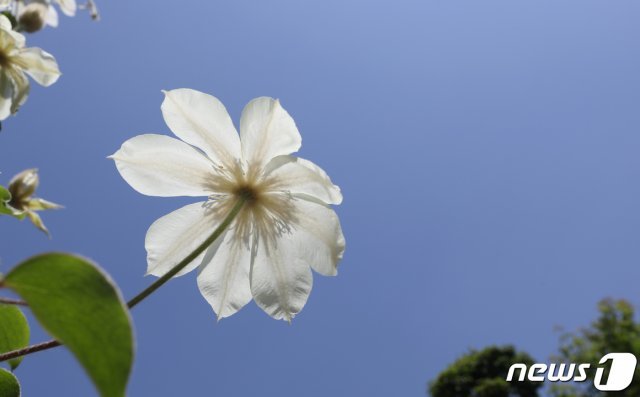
(286,226)
(15,61)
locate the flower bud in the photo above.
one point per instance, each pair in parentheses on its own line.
(22,203)
(22,187)
(32,17)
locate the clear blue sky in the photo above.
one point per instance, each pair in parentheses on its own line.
(488,152)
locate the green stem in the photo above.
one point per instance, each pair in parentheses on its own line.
(9,301)
(150,289)
(214,236)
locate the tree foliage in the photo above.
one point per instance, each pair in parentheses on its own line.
(482,374)
(614,331)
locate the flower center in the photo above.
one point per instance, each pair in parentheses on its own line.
(4,59)
(248,193)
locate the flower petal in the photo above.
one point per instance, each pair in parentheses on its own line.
(299,176)
(174,236)
(6,95)
(51,18)
(21,88)
(158,165)
(10,39)
(38,64)
(202,121)
(68,7)
(37,222)
(267,131)
(223,276)
(280,281)
(5,23)
(317,237)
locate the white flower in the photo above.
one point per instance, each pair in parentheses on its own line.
(15,61)
(286,226)
(28,12)
(33,16)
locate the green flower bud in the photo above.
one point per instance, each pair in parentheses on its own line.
(22,188)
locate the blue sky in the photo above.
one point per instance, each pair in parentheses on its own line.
(487,152)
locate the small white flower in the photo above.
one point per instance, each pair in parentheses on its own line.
(33,15)
(286,227)
(28,12)
(15,61)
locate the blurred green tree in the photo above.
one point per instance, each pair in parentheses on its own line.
(482,374)
(614,331)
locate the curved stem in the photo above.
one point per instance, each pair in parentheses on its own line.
(150,289)
(29,349)
(214,236)
(9,301)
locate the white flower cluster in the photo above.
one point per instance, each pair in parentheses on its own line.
(16,59)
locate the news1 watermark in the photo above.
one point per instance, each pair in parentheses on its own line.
(621,366)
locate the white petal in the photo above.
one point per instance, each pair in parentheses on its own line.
(280,281)
(316,237)
(173,237)
(5,23)
(20,88)
(38,64)
(10,40)
(158,165)
(223,276)
(18,39)
(202,121)
(6,95)
(267,131)
(68,7)
(299,176)
(51,18)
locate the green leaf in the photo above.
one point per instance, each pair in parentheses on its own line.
(81,307)
(5,208)
(5,197)
(4,194)
(14,332)
(9,386)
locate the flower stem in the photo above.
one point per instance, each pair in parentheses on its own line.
(150,289)
(9,301)
(29,349)
(216,233)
